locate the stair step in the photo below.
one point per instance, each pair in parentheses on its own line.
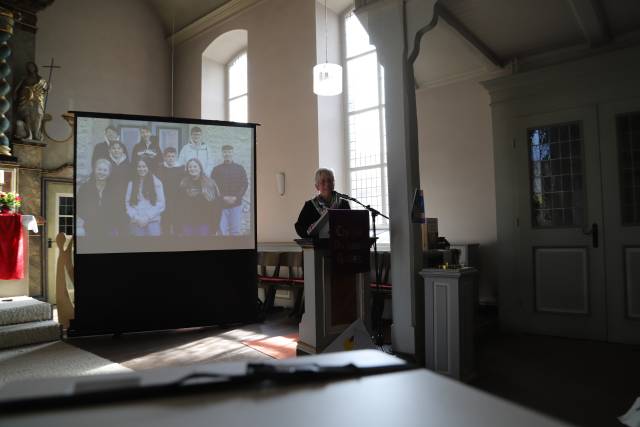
(23,309)
(29,333)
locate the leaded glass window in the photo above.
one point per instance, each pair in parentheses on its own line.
(557,176)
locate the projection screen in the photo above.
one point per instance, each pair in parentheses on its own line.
(163,185)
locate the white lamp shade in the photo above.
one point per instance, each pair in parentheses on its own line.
(327,79)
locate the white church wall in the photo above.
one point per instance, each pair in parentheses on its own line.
(114,58)
(281,99)
(457,170)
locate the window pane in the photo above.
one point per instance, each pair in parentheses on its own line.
(357,39)
(557,190)
(366,186)
(238,109)
(362,82)
(364,139)
(382,85)
(628,135)
(384,136)
(238,76)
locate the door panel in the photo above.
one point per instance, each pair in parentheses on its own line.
(54,211)
(632,280)
(620,147)
(560,265)
(561,280)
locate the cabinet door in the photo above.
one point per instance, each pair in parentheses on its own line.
(560,267)
(620,148)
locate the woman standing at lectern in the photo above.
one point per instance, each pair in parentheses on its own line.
(326,199)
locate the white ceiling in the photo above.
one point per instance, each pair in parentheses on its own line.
(481,33)
(502,30)
(445,57)
(180,13)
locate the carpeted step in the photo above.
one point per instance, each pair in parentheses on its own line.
(23,309)
(29,333)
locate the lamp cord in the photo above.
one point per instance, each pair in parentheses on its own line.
(326,49)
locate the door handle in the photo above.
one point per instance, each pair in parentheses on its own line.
(49,242)
(594,234)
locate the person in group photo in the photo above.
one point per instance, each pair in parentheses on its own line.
(120,176)
(324,200)
(232,181)
(101,149)
(144,201)
(199,196)
(197,149)
(148,149)
(170,173)
(98,198)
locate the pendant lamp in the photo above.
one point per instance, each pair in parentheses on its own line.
(327,77)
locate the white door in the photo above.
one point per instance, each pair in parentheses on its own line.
(59,216)
(620,148)
(560,267)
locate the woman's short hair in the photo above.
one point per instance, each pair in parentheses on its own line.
(103,161)
(324,172)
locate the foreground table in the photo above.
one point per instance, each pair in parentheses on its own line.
(408,398)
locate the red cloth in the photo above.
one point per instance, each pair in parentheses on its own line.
(11,247)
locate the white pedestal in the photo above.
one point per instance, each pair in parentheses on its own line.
(449,307)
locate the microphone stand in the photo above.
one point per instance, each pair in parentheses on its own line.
(378,301)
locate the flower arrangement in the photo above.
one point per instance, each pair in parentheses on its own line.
(9,202)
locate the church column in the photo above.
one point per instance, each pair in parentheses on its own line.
(6,31)
(395,28)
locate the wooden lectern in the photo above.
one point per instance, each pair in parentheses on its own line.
(336,278)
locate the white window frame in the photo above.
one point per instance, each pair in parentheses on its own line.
(382,224)
(58,215)
(228,99)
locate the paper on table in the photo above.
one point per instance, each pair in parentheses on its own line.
(632,417)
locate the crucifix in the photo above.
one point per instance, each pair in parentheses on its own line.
(51,66)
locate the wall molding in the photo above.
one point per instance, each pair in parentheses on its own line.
(213,18)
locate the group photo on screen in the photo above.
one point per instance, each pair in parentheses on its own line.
(162,179)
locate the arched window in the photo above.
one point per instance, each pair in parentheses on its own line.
(237,89)
(222,63)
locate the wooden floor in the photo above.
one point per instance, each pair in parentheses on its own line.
(585,383)
(186,346)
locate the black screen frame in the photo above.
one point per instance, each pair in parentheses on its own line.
(148,291)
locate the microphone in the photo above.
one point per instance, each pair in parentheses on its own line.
(344,196)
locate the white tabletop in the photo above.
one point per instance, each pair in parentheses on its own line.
(408,398)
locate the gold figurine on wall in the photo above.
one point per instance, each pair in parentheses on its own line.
(30,99)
